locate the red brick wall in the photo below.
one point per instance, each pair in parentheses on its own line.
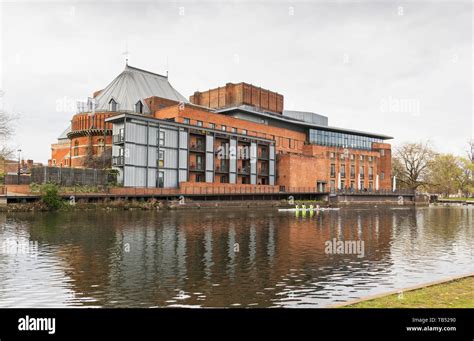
(285,140)
(239,94)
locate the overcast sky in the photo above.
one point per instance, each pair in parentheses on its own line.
(400,69)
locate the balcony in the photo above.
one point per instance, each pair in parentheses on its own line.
(196,168)
(118,161)
(197,148)
(118,138)
(244,170)
(222,169)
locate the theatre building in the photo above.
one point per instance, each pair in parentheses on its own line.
(235,134)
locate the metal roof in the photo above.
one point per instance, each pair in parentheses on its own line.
(302,123)
(63,135)
(134,84)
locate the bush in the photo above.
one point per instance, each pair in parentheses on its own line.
(50,196)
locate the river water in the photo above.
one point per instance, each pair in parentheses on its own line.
(226,258)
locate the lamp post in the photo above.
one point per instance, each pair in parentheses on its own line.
(19,165)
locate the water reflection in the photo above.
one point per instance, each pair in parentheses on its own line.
(226,258)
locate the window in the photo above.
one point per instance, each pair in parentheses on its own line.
(223,128)
(382,175)
(343,171)
(333,170)
(352,157)
(139,107)
(352,184)
(199,123)
(382,152)
(371,158)
(199,178)
(160,180)
(370,186)
(244,131)
(224,179)
(371,173)
(333,185)
(361,157)
(234,130)
(332,155)
(113,105)
(161,159)
(342,156)
(352,171)
(100,146)
(199,162)
(361,171)
(212,126)
(76,148)
(161,138)
(186,120)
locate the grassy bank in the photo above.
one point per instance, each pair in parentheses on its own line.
(454,294)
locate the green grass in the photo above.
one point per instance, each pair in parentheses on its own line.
(456,199)
(454,294)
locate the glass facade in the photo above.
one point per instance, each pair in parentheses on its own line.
(331,138)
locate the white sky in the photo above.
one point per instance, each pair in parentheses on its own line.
(396,68)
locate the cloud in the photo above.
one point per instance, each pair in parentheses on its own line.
(341,60)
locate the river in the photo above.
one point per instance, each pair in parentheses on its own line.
(226,258)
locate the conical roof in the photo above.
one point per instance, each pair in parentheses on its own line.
(133,85)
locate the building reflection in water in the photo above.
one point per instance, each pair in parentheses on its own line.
(247,257)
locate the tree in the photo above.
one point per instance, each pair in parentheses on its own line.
(464,180)
(411,164)
(6,131)
(470,150)
(443,172)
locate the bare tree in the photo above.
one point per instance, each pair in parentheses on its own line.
(470,150)
(6,131)
(411,164)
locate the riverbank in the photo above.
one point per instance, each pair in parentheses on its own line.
(156,205)
(455,293)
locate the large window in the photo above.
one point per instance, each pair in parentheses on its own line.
(161,159)
(76,148)
(337,139)
(161,138)
(160,180)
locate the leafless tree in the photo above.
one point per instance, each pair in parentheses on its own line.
(411,164)
(470,150)
(6,131)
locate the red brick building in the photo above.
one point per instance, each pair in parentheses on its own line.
(308,152)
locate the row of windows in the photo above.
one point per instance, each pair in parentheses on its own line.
(352,172)
(352,157)
(213,126)
(330,138)
(352,185)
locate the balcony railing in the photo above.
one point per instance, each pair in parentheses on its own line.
(118,161)
(196,168)
(222,169)
(197,148)
(263,172)
(118,138)
(244,170)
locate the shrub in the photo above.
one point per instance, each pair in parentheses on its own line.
(50,196)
